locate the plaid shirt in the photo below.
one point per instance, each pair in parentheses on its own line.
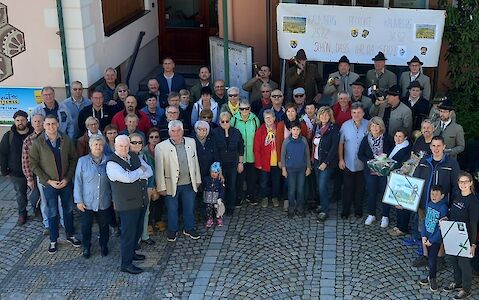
(26,167)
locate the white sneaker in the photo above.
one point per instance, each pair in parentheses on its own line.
(384,222)
(369,220)
(285,205)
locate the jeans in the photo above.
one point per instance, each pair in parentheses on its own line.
(376,185)
(432,251)
(144,234)
(20,187)
(402,216)
(249,175)
(103,218)
(296,189)
(353,192)
(230,173)
(43,207)
(131,227)
(462,271)
(270,183)
(416,234)
(51,197)
(187,196)
(322,182)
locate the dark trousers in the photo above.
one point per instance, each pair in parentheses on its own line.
(230,174)
(131,230)
(462,271)
(432,251)
(51,197)
(353,192)
(270,183)
(157,209)
(402,216)
(103,218)
(376,185)
(20,187)
(249,175)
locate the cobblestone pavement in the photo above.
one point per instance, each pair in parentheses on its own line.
(258,254)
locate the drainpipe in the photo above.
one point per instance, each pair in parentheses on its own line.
(268,33)
(61,33)
(226,43)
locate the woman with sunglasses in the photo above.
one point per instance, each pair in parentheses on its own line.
(232,106)
(229,146)
(136,146)
(119,97)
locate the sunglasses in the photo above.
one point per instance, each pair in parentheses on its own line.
(233,95)
(154,137)
(298,95)
(136,142)
(276,96)
(244,108)
(122,91)
(265,91)
(225,121)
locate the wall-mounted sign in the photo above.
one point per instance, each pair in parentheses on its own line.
(12,42)
(15,98)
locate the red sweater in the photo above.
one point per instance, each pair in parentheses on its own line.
(144,123)
(341,116)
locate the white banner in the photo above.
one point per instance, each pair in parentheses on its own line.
(327,32)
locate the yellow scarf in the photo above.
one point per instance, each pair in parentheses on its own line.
(233,109)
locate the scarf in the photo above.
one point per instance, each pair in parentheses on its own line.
(233,109)
(376,144)
(270,137)
(399,147)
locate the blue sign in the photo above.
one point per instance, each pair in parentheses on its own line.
(16,98)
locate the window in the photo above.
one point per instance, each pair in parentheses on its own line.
(119,13)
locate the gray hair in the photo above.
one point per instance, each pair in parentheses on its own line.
(269,112)
(244,102)
(225,114)
(202,124)
(343,93)
(266,85)
(122,137)
(90,118)
(233,88)
(134,134)
(132,116)
(110,69)
(95,138)
(48,88)
(39,115)
(357,105)
(175,124)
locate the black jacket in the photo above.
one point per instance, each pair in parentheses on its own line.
(206,154)
(445,173)
(365,153)
(229,149)
(420,111)
(11,152)
(401,156)
(87,111)
(328,146)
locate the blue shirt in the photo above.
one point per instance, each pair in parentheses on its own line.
(92,186)
(351,137)
(75,107)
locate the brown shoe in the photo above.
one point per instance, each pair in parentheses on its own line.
(150,230)
(161,226)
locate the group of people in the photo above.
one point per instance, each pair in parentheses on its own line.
(124,158)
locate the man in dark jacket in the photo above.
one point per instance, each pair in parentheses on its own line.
(305,75)
(11,160)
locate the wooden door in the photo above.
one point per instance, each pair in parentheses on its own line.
(184,30)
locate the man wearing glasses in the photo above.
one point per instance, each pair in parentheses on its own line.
(264,102)
(276,106)
(219,93)
(171,114)
(254,85)
(76,103)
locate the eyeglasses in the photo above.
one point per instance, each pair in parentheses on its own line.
(225,121)
(172,112)
(244,108)
(136,142)
(232,95)
(298,95)
(93,124)
(219,86)
(77,89)
(154,136)
(122,91)
(265,91)
(276,96)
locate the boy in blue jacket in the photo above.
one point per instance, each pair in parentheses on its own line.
(436,209)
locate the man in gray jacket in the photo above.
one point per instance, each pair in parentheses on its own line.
(415,74)
(380,76)
(341,80)
(452,132)
(394,113)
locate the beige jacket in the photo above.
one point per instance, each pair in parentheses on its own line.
(167,169)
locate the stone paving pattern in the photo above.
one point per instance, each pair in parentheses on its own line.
(259,253)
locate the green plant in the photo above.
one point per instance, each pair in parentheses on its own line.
(462,33)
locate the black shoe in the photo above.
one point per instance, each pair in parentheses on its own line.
(22,219)
(290,214)
(462,294)
(420,262)
(137,256)
(74,241)
(192,234)
(452,287)
(424,281)
(86,252)
(149,241)
(52,249)
(433,284)
(171,236)
(300,213)
(104,251)
(132,270)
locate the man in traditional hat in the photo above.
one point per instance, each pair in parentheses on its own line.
(415,74)
(452,132)
(342,79)
(420,107)
(357,88)
(380,76)
(394,113)
(305,75)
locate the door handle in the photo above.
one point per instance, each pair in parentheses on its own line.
(201,25)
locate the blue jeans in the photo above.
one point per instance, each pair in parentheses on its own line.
(51,197)
(376,185)
(322,182)
(230,174)
(131,224)
(270,183)
(103,218)
(296,189)
(187,196)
